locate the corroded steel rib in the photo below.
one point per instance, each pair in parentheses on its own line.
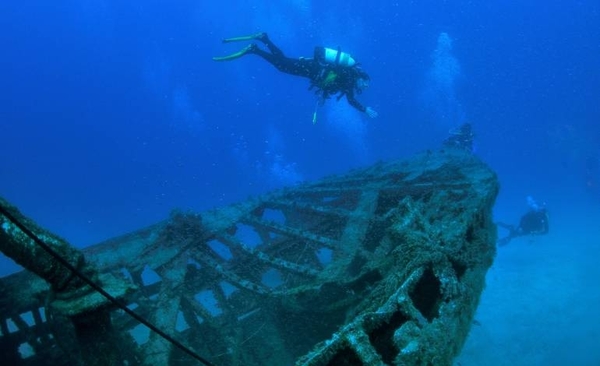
(292,232)
(279,263)
(300,206)
(157,350)
(219,269)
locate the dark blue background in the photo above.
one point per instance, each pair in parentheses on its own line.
(112,113)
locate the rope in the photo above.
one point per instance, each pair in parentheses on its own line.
(99,289)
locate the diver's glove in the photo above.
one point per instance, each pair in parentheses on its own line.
(371,113)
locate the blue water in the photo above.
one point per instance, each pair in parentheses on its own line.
(112,113)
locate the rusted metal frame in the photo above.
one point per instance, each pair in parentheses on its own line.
(278,263)
(201,311)
(327,194)
(293,232)
(128,251)
(303,206)
(357,226)
(22,327)
(211,334)
(296,250)
(350,182)
(31,333)
(346,337)
(427,186)
(41,326)
(228,310)
(178,251)
(219,270)
(241,265)
(157,350)
(293,213)
(145,308)
(225,218)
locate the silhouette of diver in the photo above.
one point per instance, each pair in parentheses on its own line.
(461,138)
(534,222)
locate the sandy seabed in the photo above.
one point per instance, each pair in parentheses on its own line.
(541,305)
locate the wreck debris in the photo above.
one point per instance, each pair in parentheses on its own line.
(381,266)
(64,269)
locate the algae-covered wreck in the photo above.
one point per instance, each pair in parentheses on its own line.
(381,266)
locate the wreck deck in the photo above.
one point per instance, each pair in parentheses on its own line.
(381,266)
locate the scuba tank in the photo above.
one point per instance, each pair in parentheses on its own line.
(330,59)
(334,57)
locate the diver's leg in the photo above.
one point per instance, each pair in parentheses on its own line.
(305,67)
(252,48)
(264,38)
(513,232)
(273,59)
(299,67)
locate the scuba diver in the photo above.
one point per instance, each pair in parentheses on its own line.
(534,222)
(461,138)
(331,72)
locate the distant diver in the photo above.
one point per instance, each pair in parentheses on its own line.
(461,138)
(331,72)
(534,222)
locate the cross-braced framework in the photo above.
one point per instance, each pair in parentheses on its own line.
(381,266)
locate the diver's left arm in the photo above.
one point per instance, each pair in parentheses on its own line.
(356,104)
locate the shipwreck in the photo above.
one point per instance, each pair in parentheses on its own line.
(381,266)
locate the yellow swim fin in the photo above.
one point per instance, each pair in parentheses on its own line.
(233,56)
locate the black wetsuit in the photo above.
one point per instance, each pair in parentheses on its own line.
(534,222)
(341,83)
